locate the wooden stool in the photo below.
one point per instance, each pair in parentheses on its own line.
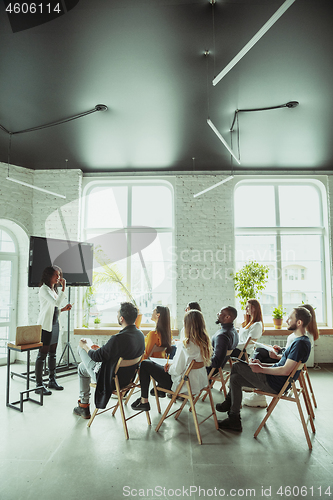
(24,348)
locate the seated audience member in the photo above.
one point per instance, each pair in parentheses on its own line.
(190,305)
(265,376)
(270,357)
(161,336)
(98,365)
(252,326)
(196,346)
(225,339)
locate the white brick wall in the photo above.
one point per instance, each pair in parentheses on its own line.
(204,241)
(204,245)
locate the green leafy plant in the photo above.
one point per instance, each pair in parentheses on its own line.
(278,312)
(250,281)
(97,321)
(88,301)
(110,274)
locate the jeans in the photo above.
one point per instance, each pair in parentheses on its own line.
(243,376)
(86,374)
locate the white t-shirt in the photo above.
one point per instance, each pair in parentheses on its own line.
(254,331)
(181,361)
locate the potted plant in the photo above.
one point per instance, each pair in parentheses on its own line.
(250,281)
(278,314)
(97,322)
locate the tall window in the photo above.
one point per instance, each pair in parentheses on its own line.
(281,224)
(139,217)
(8,288)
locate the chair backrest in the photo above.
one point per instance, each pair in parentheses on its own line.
(197,365)
(28,334)
(156,348)
(292,377)
(122,363)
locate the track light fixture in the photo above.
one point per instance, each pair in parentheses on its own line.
(98,107)
(290,104)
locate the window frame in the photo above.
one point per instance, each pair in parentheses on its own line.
(12,257)
(90,183)
(277,231)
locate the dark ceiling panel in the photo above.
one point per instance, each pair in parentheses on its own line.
(146,61)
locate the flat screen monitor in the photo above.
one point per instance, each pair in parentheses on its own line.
(74,258)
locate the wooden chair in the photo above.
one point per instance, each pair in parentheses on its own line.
(120,391)
(187,397)
(308,382)
(221,376)
(136,384)
(307,388)
(243,351)
(292,394)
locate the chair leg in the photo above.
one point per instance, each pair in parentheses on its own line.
(156,396)
(306,432)
(213,409)
(194,413)
(223,383)
(306,397)
(310,386)
(120,404)
(92,417)
(173,399)
(148,418)
(132,390)
(270,408)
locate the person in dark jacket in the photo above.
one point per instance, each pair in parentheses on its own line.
(225,339)
(98,365)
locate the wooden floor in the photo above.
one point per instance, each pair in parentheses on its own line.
(47,453)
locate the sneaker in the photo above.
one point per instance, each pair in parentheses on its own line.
(255,400)
(82,410)
(160,394)
(223,407)
(137,405)
(232,423)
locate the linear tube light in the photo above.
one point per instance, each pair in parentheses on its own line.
(35,187)
(275,17)
(224,142)
(214,186)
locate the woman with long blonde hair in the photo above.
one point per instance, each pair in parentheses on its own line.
(196,346)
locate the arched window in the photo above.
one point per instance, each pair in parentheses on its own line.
(141,257)
(8,288)
(283,224)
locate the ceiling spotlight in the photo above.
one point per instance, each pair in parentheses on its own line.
(101,107)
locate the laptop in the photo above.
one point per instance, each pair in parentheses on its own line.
(28,334)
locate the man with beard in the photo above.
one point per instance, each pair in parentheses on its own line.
(265,376)
(225,339)
(98,365)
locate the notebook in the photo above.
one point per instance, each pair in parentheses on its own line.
(28,334)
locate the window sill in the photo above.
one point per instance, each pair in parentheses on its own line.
(272,332)
(111,330)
